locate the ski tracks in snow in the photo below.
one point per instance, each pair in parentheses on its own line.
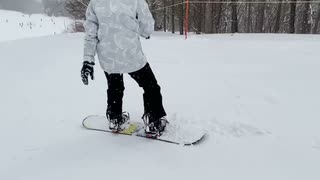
(233,129)
(214,127)
(242,112)
(241,120)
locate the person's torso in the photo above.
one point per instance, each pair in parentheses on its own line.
(116,17)
(119,48)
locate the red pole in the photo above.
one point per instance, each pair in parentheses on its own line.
(187,20)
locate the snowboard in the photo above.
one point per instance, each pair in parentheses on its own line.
(173,133)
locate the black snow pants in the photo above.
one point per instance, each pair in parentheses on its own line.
(152,96)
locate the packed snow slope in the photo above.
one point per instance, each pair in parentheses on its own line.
(257,96)
(16,25)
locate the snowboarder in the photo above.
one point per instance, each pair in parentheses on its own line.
(112,30)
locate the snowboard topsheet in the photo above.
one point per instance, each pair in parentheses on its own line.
(173,134)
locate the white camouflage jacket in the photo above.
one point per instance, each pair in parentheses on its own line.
(113,29)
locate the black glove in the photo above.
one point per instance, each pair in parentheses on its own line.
(87,69)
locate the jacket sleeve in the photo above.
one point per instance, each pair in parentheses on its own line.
(145,19)
(91,26)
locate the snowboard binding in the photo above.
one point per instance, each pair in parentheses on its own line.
(119,123)
(154,127)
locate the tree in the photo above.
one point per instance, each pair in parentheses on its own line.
(165,11)
(292,28)
(218,17)
(181,17)
(77,8)
(234,24)
(54,7)
(306,27)
(249,19)
(209,20)
(260,18)
(172,16)
(278,17)
(317,21)
(227,16)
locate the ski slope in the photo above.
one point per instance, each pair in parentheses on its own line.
(257,96)
(15,25)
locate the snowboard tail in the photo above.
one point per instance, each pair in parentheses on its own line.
(100,123)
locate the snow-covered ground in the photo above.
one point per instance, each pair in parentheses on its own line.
(16,25)
(257,96)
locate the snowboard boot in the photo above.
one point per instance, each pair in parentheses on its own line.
(118,124)
(154,127)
